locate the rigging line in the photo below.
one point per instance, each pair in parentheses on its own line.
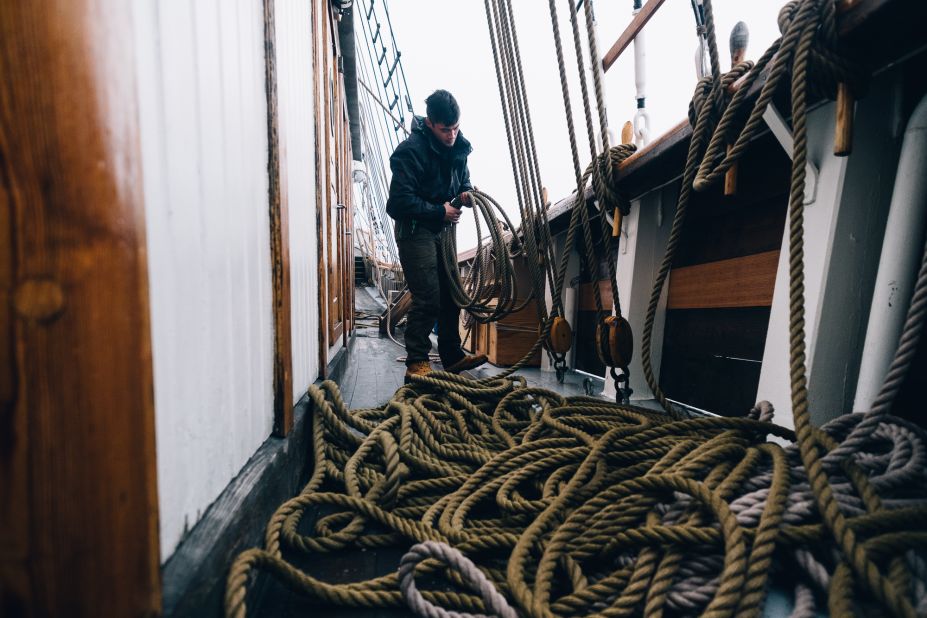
(379,151)
(384,129)
(385,109)
(503,66)
(609,171)
(372,148)
(397,62)
(376,179)
(396,89)
(545,242)
(379,69)
(402,71)
(379,174)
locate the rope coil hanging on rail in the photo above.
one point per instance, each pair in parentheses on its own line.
(579,506)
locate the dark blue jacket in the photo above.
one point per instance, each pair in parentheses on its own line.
(426,174)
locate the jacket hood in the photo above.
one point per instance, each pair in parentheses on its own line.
(461,147)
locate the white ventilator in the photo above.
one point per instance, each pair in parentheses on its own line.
(641,118)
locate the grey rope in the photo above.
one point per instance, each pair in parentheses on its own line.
(468,572)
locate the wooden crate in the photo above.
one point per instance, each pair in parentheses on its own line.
(512,337)
(478,343)
(506,341)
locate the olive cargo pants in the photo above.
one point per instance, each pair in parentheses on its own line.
(420,256)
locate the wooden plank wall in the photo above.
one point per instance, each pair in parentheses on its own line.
(78,489)
(279,237)
(721,287)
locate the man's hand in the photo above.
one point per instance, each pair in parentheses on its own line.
(451,214)
(465,199)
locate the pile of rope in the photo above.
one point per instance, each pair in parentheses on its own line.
(519,501)
(576,506)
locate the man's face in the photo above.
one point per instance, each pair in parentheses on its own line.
(446,134)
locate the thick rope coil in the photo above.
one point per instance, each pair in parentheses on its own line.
(468,572)
(574,505)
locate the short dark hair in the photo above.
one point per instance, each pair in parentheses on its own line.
(441,106)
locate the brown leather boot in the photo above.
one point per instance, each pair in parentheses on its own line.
(470,361)
(418,368)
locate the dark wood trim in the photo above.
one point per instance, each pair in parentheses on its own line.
(279,240)
(321,184)
(637,24)
(77,433)
(746,281)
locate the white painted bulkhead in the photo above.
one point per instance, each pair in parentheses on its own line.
(843,230)
(644,236)
(297,142)
(203,116)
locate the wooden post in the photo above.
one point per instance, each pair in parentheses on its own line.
(627,133)
(843,130)
(738,45)
(616,223)
(78,488)
(279,240)
(730,178)
(319,87)
(627,137)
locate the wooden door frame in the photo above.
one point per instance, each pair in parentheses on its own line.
(333,148)
(318,103)
(279,239)
(78,486)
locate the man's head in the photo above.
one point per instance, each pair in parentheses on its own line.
(443,116)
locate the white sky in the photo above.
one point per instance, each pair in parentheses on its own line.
(445,44)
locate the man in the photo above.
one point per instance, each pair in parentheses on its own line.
(429,170)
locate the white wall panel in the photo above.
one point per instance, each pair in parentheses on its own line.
(297,140)
(204,146)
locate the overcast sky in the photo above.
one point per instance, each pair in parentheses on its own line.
(445,44)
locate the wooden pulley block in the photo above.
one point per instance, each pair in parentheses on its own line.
(620,341)
(561,336)
(601,344)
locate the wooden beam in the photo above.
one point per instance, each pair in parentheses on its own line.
(78,487)
(738,282)
(279,240)
(637,24)
(320,81)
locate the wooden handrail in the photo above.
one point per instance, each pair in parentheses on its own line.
(636,25)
